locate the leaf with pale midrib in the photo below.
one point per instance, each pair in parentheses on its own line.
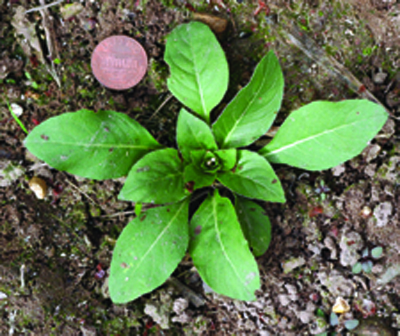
(100,145)
(322,135)
(147,251)
(199,70)
(220,252)
(251,113)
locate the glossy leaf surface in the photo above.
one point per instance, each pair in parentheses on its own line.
(199,70)
(220,252)
(251,113)
(157,178)
(322,135)
(253,177)
(100,145)
(193,134)
(148,251)
(255,225)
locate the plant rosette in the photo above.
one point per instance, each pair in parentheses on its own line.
(225,233)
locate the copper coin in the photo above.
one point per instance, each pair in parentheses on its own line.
(119,62)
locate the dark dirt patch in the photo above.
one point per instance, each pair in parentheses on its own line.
(55,253)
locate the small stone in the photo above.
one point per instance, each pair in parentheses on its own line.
(388,129)
(180,305)
(158,314)
(330,244)
(371,152)
(370,169)
(338,170)
(336,283)
(350,243)
(38,186)
(306,316)
(382,213)
(379,77)
(217,24)
(18,110)
(284,299)
(341,306)
(70,10)
(366,212)
(293,263)
(377,269)
(389,172)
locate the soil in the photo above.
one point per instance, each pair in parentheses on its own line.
(55,252)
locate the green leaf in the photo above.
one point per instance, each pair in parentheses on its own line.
(148,251)
(367,266)
(333,320)
(376,252)
(157,178)
(100,145)
(138,209)
(199,70)
(220,252)
(251,113)
(227,157)
(351,324)
(357,268)
(197,177)
(197,156)
(253,177)
(322,135)
(255,225)
(193,134)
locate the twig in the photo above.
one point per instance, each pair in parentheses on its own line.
(22,272)
(161,106)
(123,213)
(308,46)
(193,297)
(50,41)
(44,6)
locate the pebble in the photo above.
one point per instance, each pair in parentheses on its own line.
(338,170)
(366,212)
(18,110)
(336,283)
(38,186)
(379,77)
(350,243)
(330,244)
(180,305)
(382,213)
(371,152)
(70,10)
(291,264)
(341,306)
